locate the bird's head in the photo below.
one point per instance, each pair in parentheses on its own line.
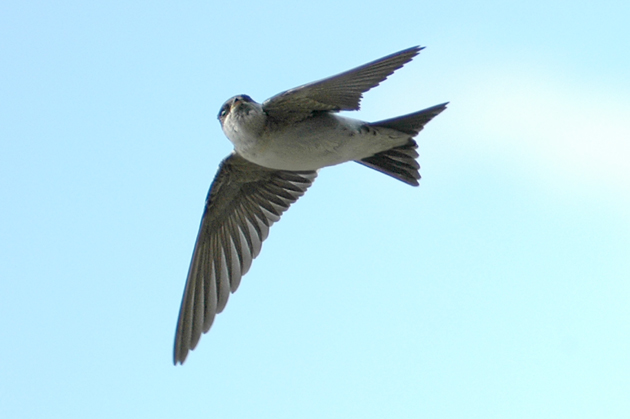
(237,106)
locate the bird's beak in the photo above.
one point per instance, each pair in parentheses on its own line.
(236,105)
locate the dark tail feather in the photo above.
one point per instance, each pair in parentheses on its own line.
(412,123)
(400,162)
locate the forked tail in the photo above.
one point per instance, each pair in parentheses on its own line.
(400,162)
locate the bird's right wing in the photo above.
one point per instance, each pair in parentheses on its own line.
(342,92)
(245,199)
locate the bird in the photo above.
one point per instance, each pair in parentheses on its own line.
(279,147)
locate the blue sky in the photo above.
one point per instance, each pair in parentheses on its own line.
(498,288)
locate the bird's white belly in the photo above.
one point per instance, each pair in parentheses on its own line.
(317,142)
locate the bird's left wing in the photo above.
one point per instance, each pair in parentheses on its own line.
(243,202)
(342,92)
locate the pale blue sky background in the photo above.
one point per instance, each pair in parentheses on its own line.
(498,288)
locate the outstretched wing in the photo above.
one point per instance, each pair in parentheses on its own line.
(342,92)
(244,201)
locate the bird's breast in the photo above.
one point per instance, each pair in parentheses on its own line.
(320,141)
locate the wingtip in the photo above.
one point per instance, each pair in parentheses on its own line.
(437,109)
(410,53)
(178,358)
(442,107)
(415,50)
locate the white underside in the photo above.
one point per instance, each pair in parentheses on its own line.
(320,141)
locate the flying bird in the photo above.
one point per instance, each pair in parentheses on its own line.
(279,146)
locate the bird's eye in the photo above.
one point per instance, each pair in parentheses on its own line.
(223,111)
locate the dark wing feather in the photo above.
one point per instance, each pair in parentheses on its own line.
(244,201)
(342,92)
